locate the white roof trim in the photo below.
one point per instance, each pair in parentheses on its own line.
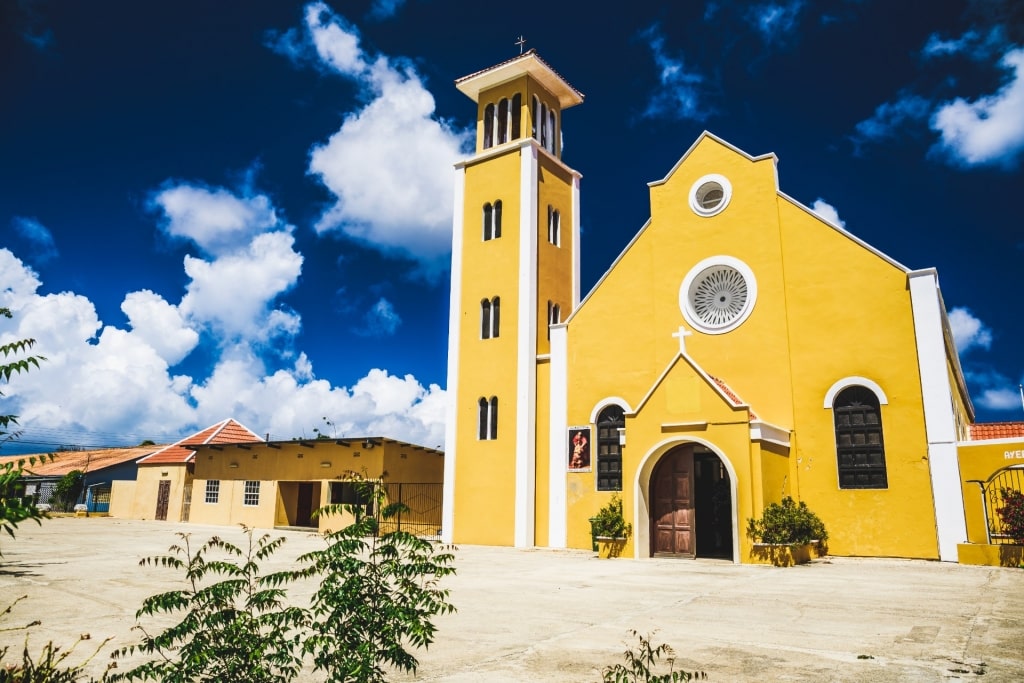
(724,143)
(765,431)
(700,371)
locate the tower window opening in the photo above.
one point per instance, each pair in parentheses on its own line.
(554,226)
(492,220)
(549,143)
(487,418)
(502,122)
(554,316)
(490,316)
(517,115)
(488,126)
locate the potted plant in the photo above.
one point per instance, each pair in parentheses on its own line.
(610,528)
(786,533)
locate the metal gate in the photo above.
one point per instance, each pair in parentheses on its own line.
(423,516)
(994,492)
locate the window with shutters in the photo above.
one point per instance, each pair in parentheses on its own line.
(860,448)
(610,422)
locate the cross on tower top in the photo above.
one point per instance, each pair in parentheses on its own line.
(520,43)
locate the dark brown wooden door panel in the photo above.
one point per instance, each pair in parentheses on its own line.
(163,497)
(672,530)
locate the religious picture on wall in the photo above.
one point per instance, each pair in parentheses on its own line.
(579,449)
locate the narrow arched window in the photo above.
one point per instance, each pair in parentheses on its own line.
(610,423)
(517,115)
(554,226)
(543,125)
(497,219)
(485,319)
(502,126)
(488,126)
(535,119)
(483,410)
(487,418)
(495,316)
(860,448)
(488,226)
(551,132)
(554,316)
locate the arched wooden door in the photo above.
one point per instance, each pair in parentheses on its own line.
(672,505)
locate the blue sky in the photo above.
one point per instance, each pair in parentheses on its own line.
(244,209)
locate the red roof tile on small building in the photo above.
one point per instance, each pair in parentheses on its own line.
(733,396)
(63,462)
(986,431)
(228,431)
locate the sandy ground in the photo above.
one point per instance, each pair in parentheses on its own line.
(540,615)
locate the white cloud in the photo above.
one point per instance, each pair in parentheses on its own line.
(384,9)
(678,96)
(989,130)
(217,220)
(890,118)
(233,294)
(159,325)
(41,239)
(391,203)
(976,45)
(776,22)
(968,331)
(113,382)
(1004,398)
(380,321)
(828,212)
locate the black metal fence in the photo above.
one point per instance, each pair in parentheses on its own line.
(423,517)
(994,491)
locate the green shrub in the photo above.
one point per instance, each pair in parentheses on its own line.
(787,523)
(609,520)
(642,664)
(1012,514)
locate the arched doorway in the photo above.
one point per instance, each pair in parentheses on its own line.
(691,505)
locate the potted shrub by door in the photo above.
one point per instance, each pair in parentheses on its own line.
(610,529)
(786,534)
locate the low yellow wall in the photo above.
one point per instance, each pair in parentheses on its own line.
(122,498)
(991,555)
(979,460)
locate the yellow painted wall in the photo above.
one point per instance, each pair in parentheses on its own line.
(818,291)
(147,487)
(979,460)
(122,499)
(554,263)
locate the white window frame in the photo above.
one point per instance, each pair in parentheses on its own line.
(212,493)
(251,493)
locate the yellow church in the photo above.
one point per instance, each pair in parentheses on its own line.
(740,349)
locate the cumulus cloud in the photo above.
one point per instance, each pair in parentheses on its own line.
(990,129)
(44,249)
(968,331)
(776,22)
(1004,398)
(390,204)
(828,212)
(234,294)
(385,9)
(975,44)
(215,219)
(892,118)
(380,321)
(111,383)
(679,93)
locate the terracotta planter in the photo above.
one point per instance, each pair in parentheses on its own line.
(608,547)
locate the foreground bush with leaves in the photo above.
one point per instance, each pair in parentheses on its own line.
(376,599)
(643,662)
(50,666)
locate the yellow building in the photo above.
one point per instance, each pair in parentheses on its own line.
(740,349)
(284,483)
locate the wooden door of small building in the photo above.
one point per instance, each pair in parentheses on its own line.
(672,529)
(304,505)
(163,497)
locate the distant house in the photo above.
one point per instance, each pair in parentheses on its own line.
(283,483)
(162,488)
(100,467)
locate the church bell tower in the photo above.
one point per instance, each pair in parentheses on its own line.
(515,271)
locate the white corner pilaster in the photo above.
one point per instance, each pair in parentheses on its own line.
(454,318)
(575,241)
(559,430)
(940,424)
(526,353)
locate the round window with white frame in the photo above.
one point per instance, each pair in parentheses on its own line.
(718,294)
(710,195)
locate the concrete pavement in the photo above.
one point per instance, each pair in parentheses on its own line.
(540,615)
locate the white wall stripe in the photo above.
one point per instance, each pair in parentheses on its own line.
(454,310)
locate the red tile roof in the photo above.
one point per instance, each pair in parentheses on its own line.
(228,431)
(997,430)
(733,396)
(66,461)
